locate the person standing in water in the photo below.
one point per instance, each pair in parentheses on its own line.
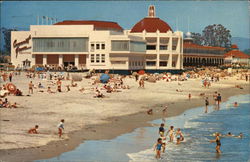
(161,129)
(179,136)
(157,148)
(219,100)
(171,134)
(218,143)
(206,104)
(163,139)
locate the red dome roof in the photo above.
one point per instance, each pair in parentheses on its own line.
(97,24)
(234,46)
(151,25)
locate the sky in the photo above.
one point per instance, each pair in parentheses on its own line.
(234,15)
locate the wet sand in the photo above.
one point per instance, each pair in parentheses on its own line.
(116,125)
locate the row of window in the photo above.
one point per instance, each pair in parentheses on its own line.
(162,63)
(97,46)
(97,58)
(136,63)
(162,47)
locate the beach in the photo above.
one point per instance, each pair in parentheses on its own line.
(89,118)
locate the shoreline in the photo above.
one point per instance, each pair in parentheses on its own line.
(114,127)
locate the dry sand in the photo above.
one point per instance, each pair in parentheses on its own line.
(93,118)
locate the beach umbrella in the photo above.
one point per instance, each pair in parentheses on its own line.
(141,72)
(11,87)
(104,78)
(76,77)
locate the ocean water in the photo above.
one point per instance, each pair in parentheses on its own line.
(197,128)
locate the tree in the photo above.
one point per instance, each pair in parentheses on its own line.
(216,35)
(197,38)
(7,39)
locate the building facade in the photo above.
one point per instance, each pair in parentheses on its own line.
(150,44)
(198,55)
(235,57)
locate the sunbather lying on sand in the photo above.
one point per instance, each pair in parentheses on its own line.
(33,130)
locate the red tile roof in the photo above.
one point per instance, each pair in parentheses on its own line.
(236,54)
(97,24)
(151,25)
(192,45)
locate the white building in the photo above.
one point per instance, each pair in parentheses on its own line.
(150,44)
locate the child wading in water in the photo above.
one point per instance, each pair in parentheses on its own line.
(157,148)
(218,143)
(60,128)
(163,139)
(179,136)
(171,134)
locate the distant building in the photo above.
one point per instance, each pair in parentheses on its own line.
(236,57)
(150,44)
(198,55)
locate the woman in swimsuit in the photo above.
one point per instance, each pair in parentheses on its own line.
(157,147)
(171,134)
(218,143)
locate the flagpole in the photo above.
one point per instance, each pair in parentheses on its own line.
(42,20)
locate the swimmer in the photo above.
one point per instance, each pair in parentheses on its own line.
(235,104)
(171,134)
(218,143)
(157,148)
(239,136)
(229,134)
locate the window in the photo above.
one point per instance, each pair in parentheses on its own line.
(97,58)
(163,63)
(60,44)
(103,58)
(137,46)
(98,46)
(151,63)
(135,63)
(92,58)
(163,47)
(103,46)
(120,45)
(92,47)
(174,43)
(151,47)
